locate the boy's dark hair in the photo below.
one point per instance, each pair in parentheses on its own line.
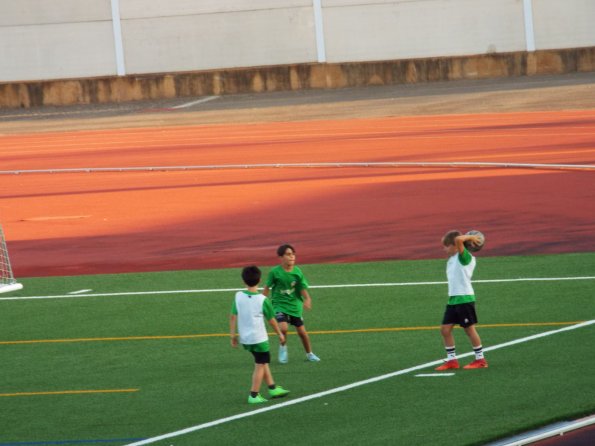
(251,275)
(281,249)
(449,237)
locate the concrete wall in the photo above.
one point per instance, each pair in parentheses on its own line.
(80,51)
(358,30)
(293,77)
(41,39)
(564,24)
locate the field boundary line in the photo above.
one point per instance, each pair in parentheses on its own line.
(348,387)
(346,285)
(313,332)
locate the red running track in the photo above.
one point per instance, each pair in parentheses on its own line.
(80,223)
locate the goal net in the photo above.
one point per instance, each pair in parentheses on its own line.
(7,280)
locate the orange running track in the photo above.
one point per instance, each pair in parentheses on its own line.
(80,223)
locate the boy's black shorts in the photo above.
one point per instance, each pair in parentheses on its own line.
(293,320)
(462,314)
(262,357)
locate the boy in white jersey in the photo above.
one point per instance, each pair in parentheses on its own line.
(249,311)
(461,300)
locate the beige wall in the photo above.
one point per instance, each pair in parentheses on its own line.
(358,30)
(64,39)
(71,39)
(38,12)
(564,23)
(209,40)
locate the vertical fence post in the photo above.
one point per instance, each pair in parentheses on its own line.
(318,26)
(529,32)
(119,47)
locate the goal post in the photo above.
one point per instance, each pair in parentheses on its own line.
(7,281)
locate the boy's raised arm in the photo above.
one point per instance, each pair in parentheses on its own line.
(461,239)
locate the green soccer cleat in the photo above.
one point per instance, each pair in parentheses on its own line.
(278,392)
(258,399)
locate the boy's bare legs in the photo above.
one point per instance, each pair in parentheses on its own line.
(480,361)
(257,376)
(473,336)
(283,327)
(261,372)
(446,332)
(268,376)
(303,334)
(451,361)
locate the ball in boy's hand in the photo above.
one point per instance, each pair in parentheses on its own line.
(474,247)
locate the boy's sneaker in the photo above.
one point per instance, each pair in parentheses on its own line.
(312,357)
(452,364)
(477,364)
(283,357)
(258,399)
(278,392)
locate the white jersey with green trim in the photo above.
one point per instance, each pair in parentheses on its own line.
(459,270)
(251,327)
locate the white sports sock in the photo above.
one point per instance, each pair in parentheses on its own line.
(478,352)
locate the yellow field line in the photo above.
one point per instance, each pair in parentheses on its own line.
(127,338)
(69,392)
(215,335)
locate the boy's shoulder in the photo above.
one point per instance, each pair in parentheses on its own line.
(249,294)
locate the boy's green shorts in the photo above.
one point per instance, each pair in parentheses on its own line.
(263,347)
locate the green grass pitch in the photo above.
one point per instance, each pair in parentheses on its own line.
(128,360)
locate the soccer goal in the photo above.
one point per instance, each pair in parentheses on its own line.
(7,280)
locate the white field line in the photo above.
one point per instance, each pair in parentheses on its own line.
(199,101)
(345,285)
(80,291)
(339,164)
(348,387)
(433,375)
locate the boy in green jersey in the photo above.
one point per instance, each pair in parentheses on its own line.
(249,311)
(461,301)
(290,297)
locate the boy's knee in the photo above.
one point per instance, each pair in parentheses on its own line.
(446,330)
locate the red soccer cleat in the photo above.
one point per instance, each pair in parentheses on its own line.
(477,364)
(452,364)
